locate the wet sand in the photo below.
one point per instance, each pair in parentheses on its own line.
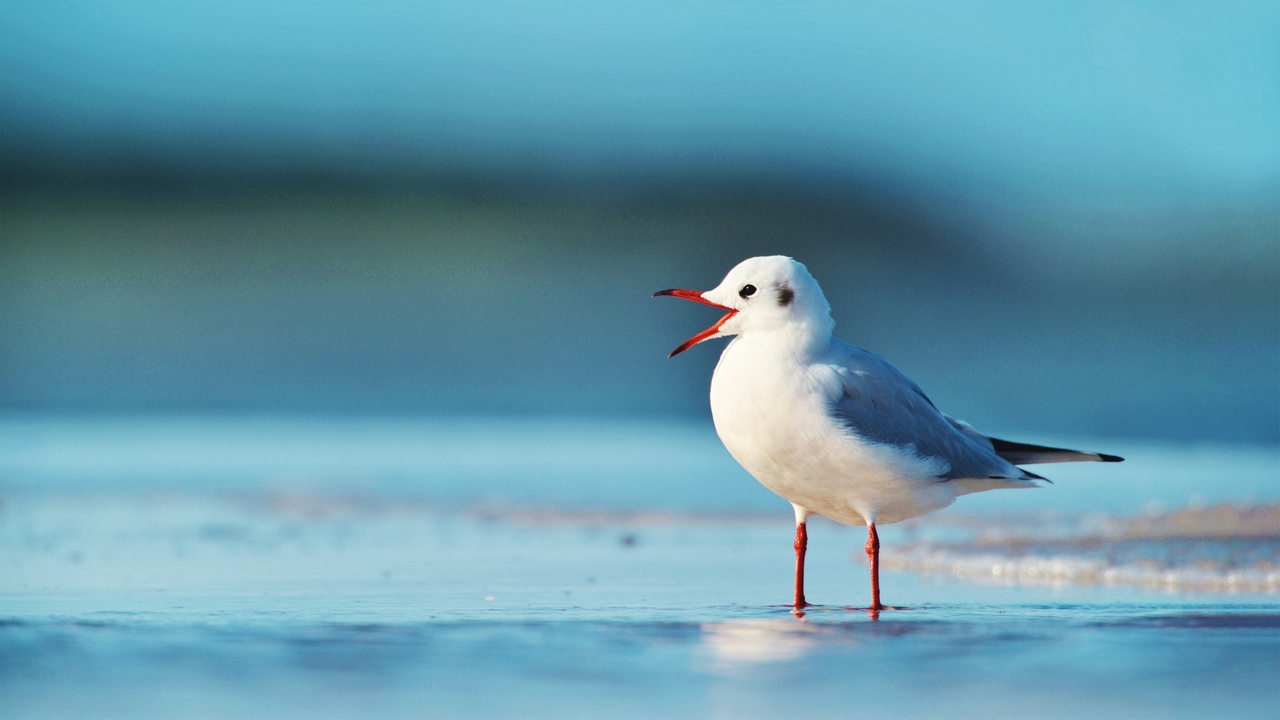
(164,604)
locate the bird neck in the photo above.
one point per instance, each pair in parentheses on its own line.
(798,342)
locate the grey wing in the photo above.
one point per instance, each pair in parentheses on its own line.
(882,405)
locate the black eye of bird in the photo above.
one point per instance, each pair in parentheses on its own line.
(747,291)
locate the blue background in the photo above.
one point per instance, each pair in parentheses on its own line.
(1058,217)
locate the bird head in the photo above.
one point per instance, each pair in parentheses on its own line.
(761,294)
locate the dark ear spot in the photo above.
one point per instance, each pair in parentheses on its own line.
(785,295)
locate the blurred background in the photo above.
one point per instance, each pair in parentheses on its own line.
(1057,217)
(331,384)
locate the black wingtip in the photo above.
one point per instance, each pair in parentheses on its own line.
(1109,458)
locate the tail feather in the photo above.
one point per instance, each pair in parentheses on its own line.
(1028,454)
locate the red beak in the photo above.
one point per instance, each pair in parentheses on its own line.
(696,296)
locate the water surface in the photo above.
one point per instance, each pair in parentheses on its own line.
(276,568)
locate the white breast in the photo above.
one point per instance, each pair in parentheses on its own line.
(771,411)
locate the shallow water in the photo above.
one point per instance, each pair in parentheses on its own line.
(1023,661)
(275,568)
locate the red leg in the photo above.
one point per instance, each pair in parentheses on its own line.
(873,554)
(802,544)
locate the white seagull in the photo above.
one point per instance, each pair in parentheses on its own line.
(834,429)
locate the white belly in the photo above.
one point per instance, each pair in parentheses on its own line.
(777,425)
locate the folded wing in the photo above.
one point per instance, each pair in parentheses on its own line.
(882,405)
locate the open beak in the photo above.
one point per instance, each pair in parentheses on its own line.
(710,332)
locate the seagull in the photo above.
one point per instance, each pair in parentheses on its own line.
(836,430)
